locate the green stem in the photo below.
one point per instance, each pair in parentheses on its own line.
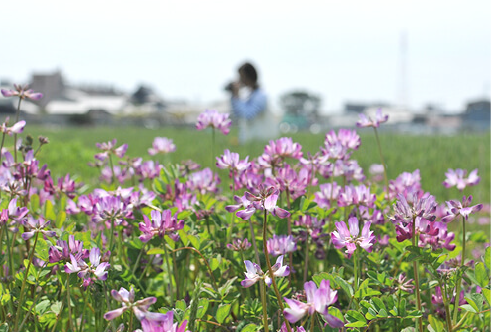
(70,321)
(305,269)
(112,169)
(26,273)
(416,277)
(130,325)
(270,270)
(382,160)
(459,278)
(355,267)
(262,285)
(15,134)
(446,306)
(107,305)
(312,322)
(169,272)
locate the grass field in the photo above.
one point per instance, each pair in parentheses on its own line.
(71,149)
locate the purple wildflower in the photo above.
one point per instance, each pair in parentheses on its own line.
(62,250)
(139,308)
(231,161)
(37,226)
(328,192)
(463,209)
(17,128)
(203,181)
(318,300)
(282,244)
(368,122)
(110,148)
(23,92)
(213,119)
(161,145)
(254,272)
(84,270)
(239,245)
(161,224)
(342,237)
(164,324)
(277,151)
(458,178)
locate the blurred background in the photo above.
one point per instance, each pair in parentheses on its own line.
(152,63)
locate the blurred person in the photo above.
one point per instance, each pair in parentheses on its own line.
(250,106)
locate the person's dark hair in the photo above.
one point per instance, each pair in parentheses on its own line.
(250,72)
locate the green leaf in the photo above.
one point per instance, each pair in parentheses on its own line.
(42,248)
(50,211)
(355,319)
(222,312)
(487,295)
(214,264)
(34,202)
(4,327)
(436,324)
(202,307)
(42,306)
(56,307)
(365,291)
(156,251)
(468,307)
(60,218)
(249,328)
(481,275)
(378,303)
(487,257)
(180,304)
(194,240)
(344,285)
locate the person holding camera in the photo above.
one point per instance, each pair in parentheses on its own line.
(254,119)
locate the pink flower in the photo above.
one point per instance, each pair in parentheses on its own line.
(161,145)
(139,308)
(231,161)
(17,128)
(458,178)
(318,300)
(254,273)
(84,270)
(368,122)
(282,244)
(342,237)
(110,148)
(161,224)
(164,324)
(23,92)
(37,226)
(213,119)
(277,151)
(463,209)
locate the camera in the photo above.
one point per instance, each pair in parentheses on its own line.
(229,87)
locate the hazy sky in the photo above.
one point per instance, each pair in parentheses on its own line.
(188,49)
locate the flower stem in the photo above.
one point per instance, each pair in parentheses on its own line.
(70,321)
(382,160)
(270,270)
(459,278)
(112,169)
(416,277)
(445,304)
(305,269)
(355,267)
(15,134)
(265,305)
(26,273)
(169,272)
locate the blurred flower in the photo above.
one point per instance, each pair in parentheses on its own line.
(23,92)
(328,192)
(161,145)
(277,151)
(203,181)
(458,178)
(342,237)
(239,245)
(441,239)
(280,245)
(357,195)
(110,148)
(17,128)
(318,300)
(214,119)
(231,161)
(254,272)
(368,122)
(164,324)
(406,183)
(62,250)
(37,226)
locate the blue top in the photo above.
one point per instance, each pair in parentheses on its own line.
(250,107)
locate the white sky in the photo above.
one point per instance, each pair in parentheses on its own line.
(188,49)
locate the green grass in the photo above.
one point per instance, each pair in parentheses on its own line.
(71,149)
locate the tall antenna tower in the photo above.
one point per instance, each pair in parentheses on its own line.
(403,99)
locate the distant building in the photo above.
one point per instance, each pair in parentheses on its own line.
(477,115)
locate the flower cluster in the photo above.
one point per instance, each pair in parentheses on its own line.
(215,120)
